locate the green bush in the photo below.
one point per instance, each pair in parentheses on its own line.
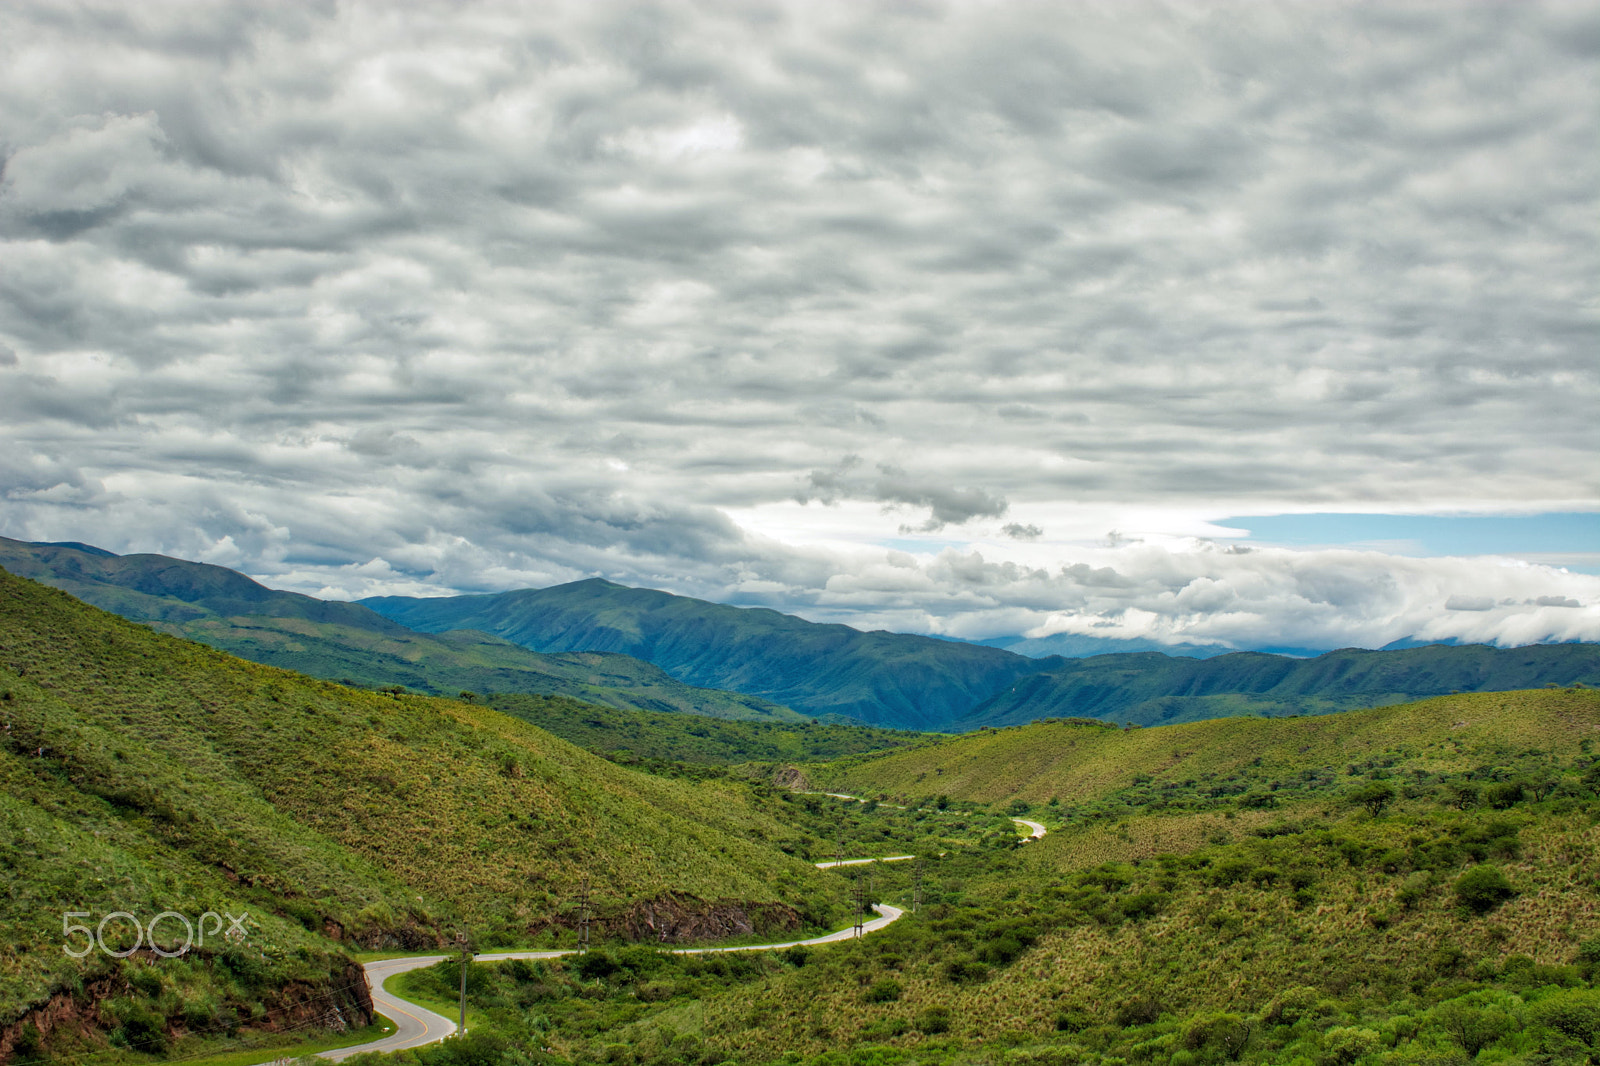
(885,991)
(1574,1013)
(933,1020)
(1374,796)
(1345,1044)
(1503,794)
(1483,888)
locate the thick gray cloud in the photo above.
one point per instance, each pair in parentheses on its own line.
(357,297)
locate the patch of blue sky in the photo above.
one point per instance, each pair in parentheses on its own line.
(1569,539)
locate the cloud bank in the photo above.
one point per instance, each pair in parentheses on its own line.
(871,312)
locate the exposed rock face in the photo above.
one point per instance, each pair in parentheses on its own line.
(343,1003)
(684,919)
(791,777)
(404,938)
(673,920)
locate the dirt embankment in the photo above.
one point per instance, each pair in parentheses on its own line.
(79,1015)
(686,920)
(791,777)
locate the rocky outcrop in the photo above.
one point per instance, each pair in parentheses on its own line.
(676,919)
(343,1002)
(791,777)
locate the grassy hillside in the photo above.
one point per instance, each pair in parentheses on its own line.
(884,679)
(902,681)
(1422,887)
(350,643)
(1153,689)
(697,739)
(1073,761)
(140,772)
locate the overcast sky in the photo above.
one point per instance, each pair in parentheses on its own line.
(967,318)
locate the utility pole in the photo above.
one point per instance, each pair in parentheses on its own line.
(916,888)
(860,902)
(583,917)
(465,953)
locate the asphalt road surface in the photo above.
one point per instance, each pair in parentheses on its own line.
(416,1026)
(1037,830)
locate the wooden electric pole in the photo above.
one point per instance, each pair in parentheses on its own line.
(583,917)
(916,887)
(465,953)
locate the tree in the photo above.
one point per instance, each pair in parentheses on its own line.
(1374,796)
(1483,888)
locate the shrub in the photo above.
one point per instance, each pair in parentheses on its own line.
(1478,1019)
(885,991)
(963,970)
(1290,1005)
(1138,1010)
(1232,871)
(1144,905)
(934,1020)
(1483,888)
(595,964)
(1413,889)
(1575,1013)
(1374,796)
(1346,1044)
(1221,1032)
(1503,794)
(1072,1021)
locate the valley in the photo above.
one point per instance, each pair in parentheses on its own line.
(1363,886)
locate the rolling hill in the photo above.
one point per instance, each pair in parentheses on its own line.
(695,739)
(1147,688)
(143,773)
(887,679)
(1404,885)
(910,682)
(349,643)
(1078,760)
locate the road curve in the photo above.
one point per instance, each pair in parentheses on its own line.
(1036,831)
(863,862)
(416,1026)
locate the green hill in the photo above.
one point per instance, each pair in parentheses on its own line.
(1393,887)
(1073,761)
(695,739)
(886,679)
(143,773)
(910,682)
(348,642)
(1148,688)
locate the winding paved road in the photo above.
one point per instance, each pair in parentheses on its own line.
(416,1026)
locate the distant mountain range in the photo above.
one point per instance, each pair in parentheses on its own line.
(888,679)
(644,649)
(347,642)
(913,682)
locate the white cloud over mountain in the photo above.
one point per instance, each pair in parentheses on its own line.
(883,313)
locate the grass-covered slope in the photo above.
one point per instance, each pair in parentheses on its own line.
(885,679)
(348,642)
(1420,886)
(140,772)
(698,739)
(1153,689)
(1072,761)
(911,682)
